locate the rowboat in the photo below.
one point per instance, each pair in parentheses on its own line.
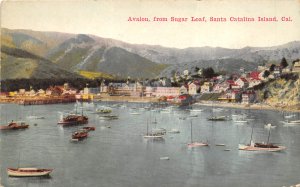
(89,128)
(79,135)
(28,172)
(196,144)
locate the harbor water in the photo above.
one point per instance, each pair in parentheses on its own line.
(117,155)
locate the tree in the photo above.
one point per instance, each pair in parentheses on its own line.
(272,67)
(266,74)
(208,72)
(283,63)
(196,69)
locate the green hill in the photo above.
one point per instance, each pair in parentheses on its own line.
(18,63)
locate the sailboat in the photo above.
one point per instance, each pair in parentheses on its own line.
(74,119)
(154,122)
(195,144)
(152,135)
(27,172)
(33,116)
(269,147)
(216,118)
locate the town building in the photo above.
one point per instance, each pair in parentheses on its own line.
(248,97)
(207,87)
(242,82)
(296,67)
(193,88)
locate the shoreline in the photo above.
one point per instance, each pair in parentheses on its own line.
(260,106)
(130,99)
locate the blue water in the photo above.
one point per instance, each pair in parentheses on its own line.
(120,156)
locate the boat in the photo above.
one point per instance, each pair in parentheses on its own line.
(153,135)
(103,111)
(14,126)
(166,110)
(164,158)
(79,135)
(108,117)
(195,144)
(174,131)
(35,117)
(159,131)
(73,119)
(134,113)
(196,110)
(269,126)
(89,128)
(28,172)
(289,116)
(32,116)
(217,109)
(240,121)
(291,123)
(217,118)
(261,147)
(154,122)
(269,147)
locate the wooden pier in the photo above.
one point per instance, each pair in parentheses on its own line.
(37,100)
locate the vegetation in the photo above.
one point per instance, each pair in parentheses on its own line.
(283,63)
(95,75)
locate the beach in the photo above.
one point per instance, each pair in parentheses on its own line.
(256,106)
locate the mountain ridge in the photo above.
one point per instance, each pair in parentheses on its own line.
(87,52)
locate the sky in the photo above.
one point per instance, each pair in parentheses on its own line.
(109,19)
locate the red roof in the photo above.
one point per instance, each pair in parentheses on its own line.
(230,82)
(243,79)
(254,75)
(170,97)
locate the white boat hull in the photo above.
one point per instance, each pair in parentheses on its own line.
(13,173)
(196,144)
(252,148)
(150,136)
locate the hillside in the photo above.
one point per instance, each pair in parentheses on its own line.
(283,92)
(18,63)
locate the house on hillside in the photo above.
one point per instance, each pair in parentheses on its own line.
(277,71)
(183,90)
(296,67)
(233,85)
(206,87)
(223,86)
(231,96)
(242,82)
(193,88)
(253,82)
(248,97)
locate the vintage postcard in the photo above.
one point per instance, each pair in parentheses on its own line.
(143,93)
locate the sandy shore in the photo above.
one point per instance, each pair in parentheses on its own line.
(129,99)
(245,106)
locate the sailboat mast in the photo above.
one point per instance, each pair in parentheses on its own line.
(251,135)
(147,127)
(269,136)
(191,132)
